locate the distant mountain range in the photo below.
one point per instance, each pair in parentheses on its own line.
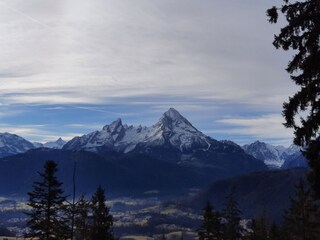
(12,144)
(54,145)
(141,156)
(276,157)
(173,138)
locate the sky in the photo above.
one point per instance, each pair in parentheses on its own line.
(69,67)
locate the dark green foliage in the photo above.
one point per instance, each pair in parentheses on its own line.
(46,218)
(302,35)
(258,230)
(211,227)
(232,215)
(255,192)
(81,219)
(300,218)
(275,233)
(102,221)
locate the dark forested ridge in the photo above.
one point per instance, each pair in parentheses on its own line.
(257,193)
(127,174)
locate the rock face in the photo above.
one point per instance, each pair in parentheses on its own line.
(11,144)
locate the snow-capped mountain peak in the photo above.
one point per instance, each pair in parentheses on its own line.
(115,126)
(174,115)
(58,144)
(273,156)
(173,120)
(265,152)
(115,130)
(172,129)
(11,144)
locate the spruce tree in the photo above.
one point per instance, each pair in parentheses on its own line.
(256,231)
(275,233)
(102,221)
(46,217)
(302,111)
(211,227)
(300,219)
(81,219)
(232,215)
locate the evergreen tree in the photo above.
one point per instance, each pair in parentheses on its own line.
(258,230)
(46,217)
(211,227)
(81,218)
(302,35)
(300,220)
(231,213)
(102,221)
(275,233)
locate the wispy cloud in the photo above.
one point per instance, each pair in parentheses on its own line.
(268,127)
(36,132)
(92,53)
(206,58)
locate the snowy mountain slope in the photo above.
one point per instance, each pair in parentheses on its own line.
(172,128)
(296,160)
(54,145)
(275,156)
(37,144)
(11,144)
(269,154)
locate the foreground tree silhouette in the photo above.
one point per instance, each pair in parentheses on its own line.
(232,215)
(300,220)
(81,218)
(258,230)
(102,221)
(46,218)
(211,227)
(302,35)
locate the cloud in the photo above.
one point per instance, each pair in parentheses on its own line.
(135,59)
(267,127)
(105,51)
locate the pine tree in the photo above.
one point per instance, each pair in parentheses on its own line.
(46,217)
(231,213)
(211,227)
(102,221)
(299,219)
(302,36)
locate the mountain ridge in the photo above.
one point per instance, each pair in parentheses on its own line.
(276,157)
